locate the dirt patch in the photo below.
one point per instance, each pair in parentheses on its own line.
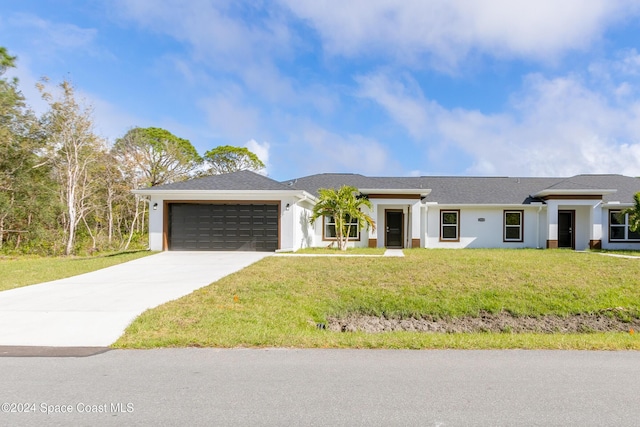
(487,322)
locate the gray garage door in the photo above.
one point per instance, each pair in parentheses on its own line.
(223,227)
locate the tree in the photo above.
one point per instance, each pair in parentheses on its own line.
(25,195)
(6,60)
(156,156)
(72,149)
(227,158)
(634,214)
(345,208)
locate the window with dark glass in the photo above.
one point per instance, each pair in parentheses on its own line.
(513,226)
(449,225)
(619,227)
(330,227)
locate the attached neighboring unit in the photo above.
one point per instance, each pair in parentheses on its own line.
(250,212)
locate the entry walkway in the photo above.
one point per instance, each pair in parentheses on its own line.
(394,252)
(94,309)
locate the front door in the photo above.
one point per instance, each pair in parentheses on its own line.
(394,236)
(566,228)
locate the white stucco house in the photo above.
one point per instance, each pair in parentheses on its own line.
(247,211)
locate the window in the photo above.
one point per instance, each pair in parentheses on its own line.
(513,226)
(449,225)
(619,228)
(330,228)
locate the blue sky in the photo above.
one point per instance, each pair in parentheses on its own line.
(379,87)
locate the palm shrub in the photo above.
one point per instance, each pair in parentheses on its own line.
(344,206)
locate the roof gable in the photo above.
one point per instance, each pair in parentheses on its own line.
(313,183)
(235,181)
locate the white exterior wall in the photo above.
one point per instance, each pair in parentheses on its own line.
(488,233)
(582,232)
(156,215)
(304,233)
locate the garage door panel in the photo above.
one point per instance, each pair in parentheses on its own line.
(248,227)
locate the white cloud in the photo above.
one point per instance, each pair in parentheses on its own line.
(62,35)
(402,99)
(230,115)
(50,38)
(321,150)
(448,30)
(553,126)
(261,150)
(215,30)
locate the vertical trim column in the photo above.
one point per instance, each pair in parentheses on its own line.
(416,215)
(373,233)
(552,224)
(595,219)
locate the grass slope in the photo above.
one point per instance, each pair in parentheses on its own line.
(279,301)
(21,271)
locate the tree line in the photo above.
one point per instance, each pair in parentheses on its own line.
(66,190)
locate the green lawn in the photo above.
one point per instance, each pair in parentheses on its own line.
(279,300)
(17,271)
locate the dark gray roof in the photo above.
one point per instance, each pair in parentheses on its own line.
(483,190)
(626,186)
(444,189)
(241,180)
(477,190)
(313,183)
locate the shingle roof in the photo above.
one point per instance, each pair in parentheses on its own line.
(483,190)
(444,189)
(626,186)
(238,181)
(313,183)
(477,190)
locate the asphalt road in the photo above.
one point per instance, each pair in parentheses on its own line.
(321,387)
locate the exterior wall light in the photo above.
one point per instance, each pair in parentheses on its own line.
(286,208)
(155,206)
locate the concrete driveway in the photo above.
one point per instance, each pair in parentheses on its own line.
(94,309)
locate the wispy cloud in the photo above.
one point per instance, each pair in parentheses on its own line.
(49,38)
(552,126)
(320,150)
(229,114)
(445,32)
(261,150)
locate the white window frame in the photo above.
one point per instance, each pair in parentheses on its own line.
(328,225)
(520,226)
(456,225)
